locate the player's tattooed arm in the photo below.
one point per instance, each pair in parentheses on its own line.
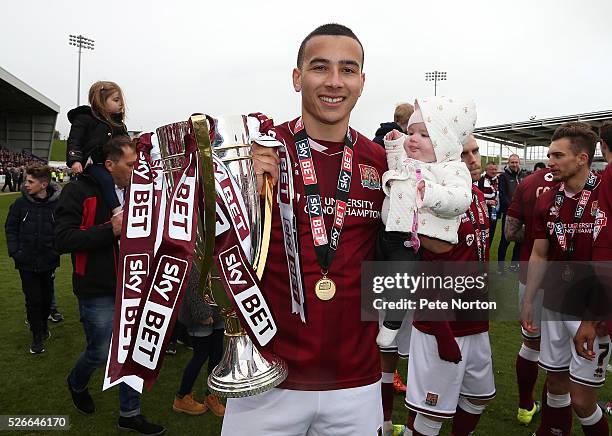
(515,230)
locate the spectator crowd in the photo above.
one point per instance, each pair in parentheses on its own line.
(13,166)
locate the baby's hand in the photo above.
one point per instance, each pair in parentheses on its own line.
(77,168)
(393,134)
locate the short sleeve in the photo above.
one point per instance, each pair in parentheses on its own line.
(540,218)
(516,208)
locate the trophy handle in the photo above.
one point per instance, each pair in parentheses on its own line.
(200,129)
(261,254)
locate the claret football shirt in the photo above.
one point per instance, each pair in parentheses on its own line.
(464,251)
(522,208)
(334,349)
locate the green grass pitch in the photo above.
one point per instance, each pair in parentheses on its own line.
(36,384)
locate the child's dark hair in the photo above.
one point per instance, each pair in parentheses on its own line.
(98,93)
(113,149)
(40,172)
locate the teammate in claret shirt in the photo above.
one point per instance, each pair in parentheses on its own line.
(602,244)
(333,385)
(563,232)
(427,186)
(518,228)
(602,255)
(428,190)
(450,371)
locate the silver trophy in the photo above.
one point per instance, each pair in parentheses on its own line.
(243,371)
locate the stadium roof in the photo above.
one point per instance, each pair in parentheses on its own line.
(536,133)
(18,97)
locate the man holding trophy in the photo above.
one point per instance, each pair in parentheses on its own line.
(324,224)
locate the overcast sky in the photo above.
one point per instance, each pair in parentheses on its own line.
(172,58)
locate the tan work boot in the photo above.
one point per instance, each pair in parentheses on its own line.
(188,405)
(215,405)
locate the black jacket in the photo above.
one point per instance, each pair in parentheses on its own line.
(30,231)
(508,181)
(84,230)
(383,130)
(87,135)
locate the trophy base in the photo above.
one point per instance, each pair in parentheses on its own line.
(243,371)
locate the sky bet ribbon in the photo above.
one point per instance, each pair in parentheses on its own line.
(169,273)
(260,123)
(140,221)
(233,258)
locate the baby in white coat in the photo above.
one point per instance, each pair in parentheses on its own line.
(428,187)
(426,178)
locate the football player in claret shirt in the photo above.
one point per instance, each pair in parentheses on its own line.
(518,228)
(602,245)
(563,234)
(450,371)
(602,254)
(333,384)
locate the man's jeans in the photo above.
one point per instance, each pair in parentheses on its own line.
(97,317)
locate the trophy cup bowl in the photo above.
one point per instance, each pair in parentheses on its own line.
(243,370)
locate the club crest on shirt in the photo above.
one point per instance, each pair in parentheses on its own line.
(431,399)
(548,177)
(369,177)
(469,240)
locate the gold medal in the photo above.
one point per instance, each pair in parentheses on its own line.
(325,288)
(567,275)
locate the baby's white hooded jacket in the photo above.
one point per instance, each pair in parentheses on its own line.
(448,191)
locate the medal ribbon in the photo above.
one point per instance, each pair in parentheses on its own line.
(325,248)
(580,208)
(480,229)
